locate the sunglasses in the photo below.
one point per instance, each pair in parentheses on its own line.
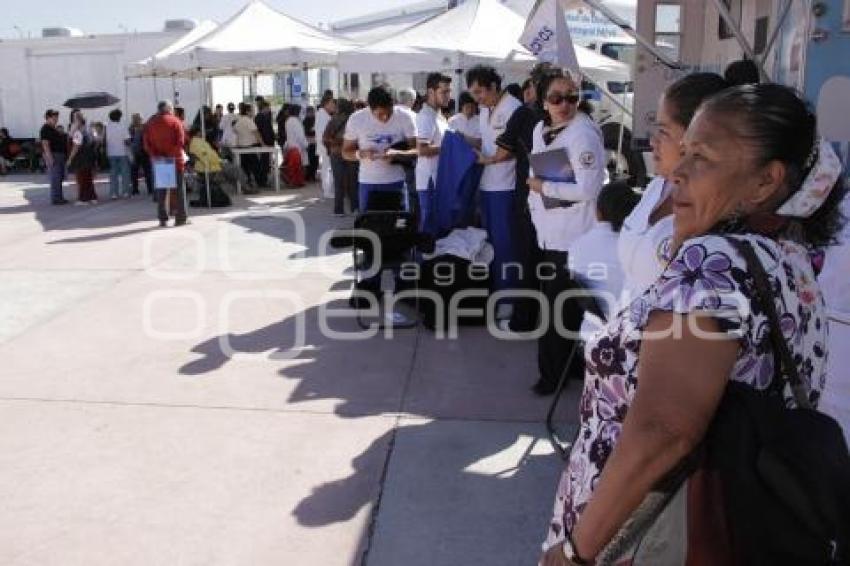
(557,98)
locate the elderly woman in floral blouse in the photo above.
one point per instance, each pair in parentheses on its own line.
(753,169)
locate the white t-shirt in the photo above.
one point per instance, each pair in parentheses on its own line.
(643,248)
(322,121)
(470,127)
(228,136)
(558,227)
(117,134)
(497,176)
(370,133)
(295,136)
(430,128)
(246,131)
(593,257)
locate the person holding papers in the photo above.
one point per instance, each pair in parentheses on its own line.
(568,163)
(374,137)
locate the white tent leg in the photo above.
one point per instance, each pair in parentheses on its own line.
(739,35)
(783,14)
(630,31)
(204,136)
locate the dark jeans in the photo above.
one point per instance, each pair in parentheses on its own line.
(141,163)
(345,184)
(162,197)
(254,168)
(312,164)
(56,174)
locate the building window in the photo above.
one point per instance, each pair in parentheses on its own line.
(735,9)
(668,29)
(760,36)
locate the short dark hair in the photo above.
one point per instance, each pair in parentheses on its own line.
(231,107)
(115,115)
(526,84)
(686,94)
(483,75)
(615,202)
(434,80)
(742,72)
(464,98)
(344,106)
(514,90)
(380,97)
(293,110)
(50,112)
(781,126)
(244,108)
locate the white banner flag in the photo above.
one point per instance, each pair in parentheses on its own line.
(547,37)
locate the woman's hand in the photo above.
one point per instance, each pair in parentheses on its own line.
(555,557)
(535,185)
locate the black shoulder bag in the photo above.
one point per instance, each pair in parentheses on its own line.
(785,471)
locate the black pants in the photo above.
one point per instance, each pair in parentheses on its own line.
(528,254)
(141,163)
(255,167)
(345,184)
(162,197)
(312,164)
(553,349)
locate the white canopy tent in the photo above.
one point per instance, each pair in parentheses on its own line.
(154,66)
(477,31)
(257,40)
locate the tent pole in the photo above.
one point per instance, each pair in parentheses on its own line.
(726,16)
(600,6)
(780,21)
(204,135)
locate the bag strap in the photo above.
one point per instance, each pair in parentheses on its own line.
(785,370)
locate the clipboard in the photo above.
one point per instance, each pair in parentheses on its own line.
(164,173)
(552,165)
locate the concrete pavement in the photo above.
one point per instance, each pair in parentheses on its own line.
(170,396)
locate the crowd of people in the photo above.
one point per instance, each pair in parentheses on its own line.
(743,185)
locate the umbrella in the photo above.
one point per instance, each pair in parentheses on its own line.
(91,100)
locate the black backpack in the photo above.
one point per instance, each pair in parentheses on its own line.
(785,472)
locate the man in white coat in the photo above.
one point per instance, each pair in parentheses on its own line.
(327,108)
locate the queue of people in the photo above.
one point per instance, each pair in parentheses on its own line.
(743,186)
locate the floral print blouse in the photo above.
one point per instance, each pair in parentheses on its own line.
(706,275)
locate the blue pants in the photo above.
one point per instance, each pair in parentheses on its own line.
(56,173)
(366,189)
(426,210)
(497,210)
(119,170)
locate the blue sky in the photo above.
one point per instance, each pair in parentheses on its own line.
(97,16)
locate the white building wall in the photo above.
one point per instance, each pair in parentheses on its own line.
(44,72)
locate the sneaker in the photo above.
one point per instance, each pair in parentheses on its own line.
(163,223)
(339,214)
(181,222)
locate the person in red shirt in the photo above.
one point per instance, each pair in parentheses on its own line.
(165,137)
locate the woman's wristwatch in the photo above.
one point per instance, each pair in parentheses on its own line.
(572,554)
